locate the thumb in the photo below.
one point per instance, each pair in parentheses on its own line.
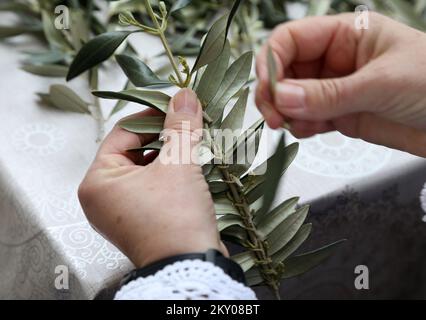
(182,129)
(324,99)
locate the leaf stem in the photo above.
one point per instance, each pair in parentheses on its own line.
(96,110)
(164,42)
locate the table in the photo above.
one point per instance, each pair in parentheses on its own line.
(365,193)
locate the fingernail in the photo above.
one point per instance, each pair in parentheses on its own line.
(185,101)
(290,96)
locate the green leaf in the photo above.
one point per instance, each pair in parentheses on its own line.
(242,140)
(152,125)
(224,206)
(16,7)
(6,31)
(227,221)
(235,234)
(246,260)
(255,181)
(254,194)
(215,40)
(213,75)
(405,12)
(152,99)
(54,36)
(45,99)
(48,57)
(156,146)
(213,44)
(273,219)
(80,30)
(47,70)
(420,6)
(272,71)
(96,51)
(138,72)
(179,4)
(253,277)
(319,7)
(294,244)
(289,153)
(121,104)
(66,99)
(235,118)
(217,186)
(305,262)
(273,176)
(284,232)
(235,78)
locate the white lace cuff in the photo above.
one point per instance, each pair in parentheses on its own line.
(423,198)
(186,280)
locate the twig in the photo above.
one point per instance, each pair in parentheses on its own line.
(164,42)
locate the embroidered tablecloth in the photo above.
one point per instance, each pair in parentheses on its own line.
(365,193)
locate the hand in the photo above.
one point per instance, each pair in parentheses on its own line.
(368,84)
(149,209)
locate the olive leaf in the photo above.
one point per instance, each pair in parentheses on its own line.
(319,7)
(405,12)
(276,216)
(8,31)
(286,230)
(234,120)
(53,35)
(48,57)
(272,72)
(144,125)
(294,244)
(138,72)
(245,260)
(47,70)
(215,39)
(227,221)
(254,277)
(153,146)
(235,78)
(96,51)
(305,262)
(178,5)
(66,99)
(212,77)
(223,206)
(258,177)
(152,99)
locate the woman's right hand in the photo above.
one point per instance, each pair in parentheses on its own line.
(368,84)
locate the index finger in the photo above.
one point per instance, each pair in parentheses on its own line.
(119,141)
(298,41)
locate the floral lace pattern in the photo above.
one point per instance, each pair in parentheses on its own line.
(186,280)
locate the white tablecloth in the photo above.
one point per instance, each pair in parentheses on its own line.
(44,154)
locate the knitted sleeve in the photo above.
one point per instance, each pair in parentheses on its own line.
(186,280)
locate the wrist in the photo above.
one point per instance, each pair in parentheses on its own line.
(212,256)
(145,255)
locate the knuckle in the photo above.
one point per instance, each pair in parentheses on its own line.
(331,91)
